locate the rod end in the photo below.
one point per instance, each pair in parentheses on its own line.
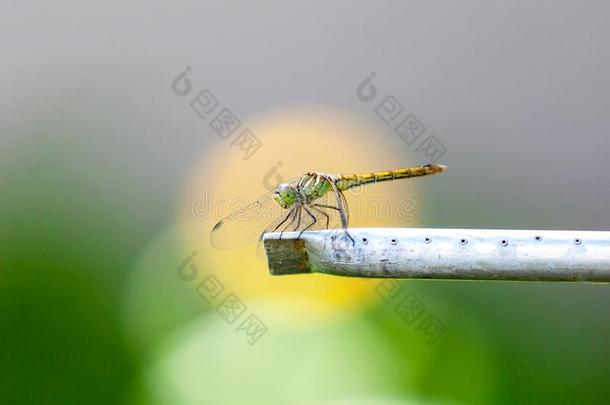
(286,256)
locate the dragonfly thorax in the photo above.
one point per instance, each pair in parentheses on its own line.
(313,186)
(309,188)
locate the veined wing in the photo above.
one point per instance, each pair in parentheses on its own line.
(247,225)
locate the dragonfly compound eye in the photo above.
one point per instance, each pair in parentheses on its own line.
(285,195)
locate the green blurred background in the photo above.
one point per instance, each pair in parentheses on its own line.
(103,170)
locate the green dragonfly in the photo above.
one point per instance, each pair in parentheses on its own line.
(312,201)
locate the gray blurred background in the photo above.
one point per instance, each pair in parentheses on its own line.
(517,92)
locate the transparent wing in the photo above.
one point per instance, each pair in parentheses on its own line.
(248,224)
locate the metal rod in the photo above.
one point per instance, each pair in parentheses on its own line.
(466,254)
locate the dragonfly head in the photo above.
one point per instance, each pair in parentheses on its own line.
(285,195)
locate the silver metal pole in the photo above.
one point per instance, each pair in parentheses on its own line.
(467,254)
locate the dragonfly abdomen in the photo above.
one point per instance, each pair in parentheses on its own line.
(347,181)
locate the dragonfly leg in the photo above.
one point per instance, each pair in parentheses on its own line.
(281,223)
(313,207)
(339,203)
(298,219)
(342,214)
(350,237)
(313,217)
(326,206)
(293,214)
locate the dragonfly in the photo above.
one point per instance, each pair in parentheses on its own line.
(313,201)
